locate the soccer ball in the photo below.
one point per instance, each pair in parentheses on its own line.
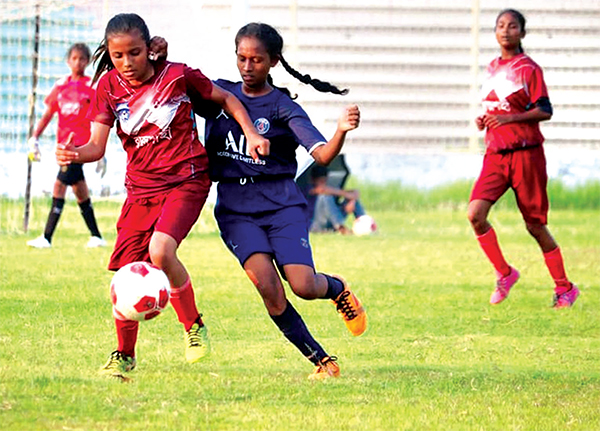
(139,291)
(364,225)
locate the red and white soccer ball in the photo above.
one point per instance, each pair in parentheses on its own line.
(364,225)
(139,291)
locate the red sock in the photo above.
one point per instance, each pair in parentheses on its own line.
(489,243)
(556,266)
(127,331)
(184,303)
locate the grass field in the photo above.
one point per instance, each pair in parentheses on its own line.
(436,356)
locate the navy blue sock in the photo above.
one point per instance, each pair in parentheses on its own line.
(294,329)
(334,287)
(53,217)
(87,211)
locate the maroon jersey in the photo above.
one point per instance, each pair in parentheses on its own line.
(71,100)
(513,86)
(156,125)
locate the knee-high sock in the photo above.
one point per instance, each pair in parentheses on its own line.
(294,329)
(184,303)
(334,287)
(490,246)
(127,331)
(87,211)
(554,262)
(53,217)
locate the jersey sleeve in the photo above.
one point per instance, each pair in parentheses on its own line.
(198,86)
(100,110)
(300,124)
(536,85)
(51,99)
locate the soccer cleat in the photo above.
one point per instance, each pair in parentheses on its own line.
(326,368)
(117,365)
(566,299)
(197,344)
(39,242)
(351,309)
(503,286)
(95,242)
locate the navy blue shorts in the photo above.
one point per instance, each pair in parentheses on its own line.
(71,174)
(283,234)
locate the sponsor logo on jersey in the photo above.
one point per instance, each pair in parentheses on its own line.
(123,111)
(262,126)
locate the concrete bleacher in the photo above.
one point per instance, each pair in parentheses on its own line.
(409,64)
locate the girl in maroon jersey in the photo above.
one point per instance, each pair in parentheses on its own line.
(515,99)
(167,167)
(70,98)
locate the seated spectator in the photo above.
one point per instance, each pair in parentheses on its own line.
(331,205)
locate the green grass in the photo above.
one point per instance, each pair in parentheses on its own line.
(436,355)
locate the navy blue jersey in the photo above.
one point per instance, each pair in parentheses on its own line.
(248,186)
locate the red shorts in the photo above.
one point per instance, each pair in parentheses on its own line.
(173,212)
(523,170)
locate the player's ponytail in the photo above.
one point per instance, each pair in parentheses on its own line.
(121,23)
(273,43)
(520,18)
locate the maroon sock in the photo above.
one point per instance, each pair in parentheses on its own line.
(554,262)
(127,331)
(490,246)
(184,303)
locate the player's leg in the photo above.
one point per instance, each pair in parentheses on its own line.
(328,215)
(180,211)
(260,269)
(81,191)
(491,184)
(288,238)
(59,192)
(532,198)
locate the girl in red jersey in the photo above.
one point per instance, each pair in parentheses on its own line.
(515,99)
(167,167)
(70,98)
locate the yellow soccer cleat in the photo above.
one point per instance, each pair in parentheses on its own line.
(117,365)
(197,344)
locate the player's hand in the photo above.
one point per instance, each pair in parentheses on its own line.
(492,121)
(479,122)
(34,153)
(158,49)
(101,167)
(258,146)
(65,152)
(349,118)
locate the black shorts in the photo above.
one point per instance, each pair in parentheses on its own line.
(71,174)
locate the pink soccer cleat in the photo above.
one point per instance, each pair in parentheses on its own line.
(566,299)
(503,285)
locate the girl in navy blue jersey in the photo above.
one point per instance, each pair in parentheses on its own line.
(260,210)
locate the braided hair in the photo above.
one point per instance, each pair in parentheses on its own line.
(273,43)
(519,17)
(121,23)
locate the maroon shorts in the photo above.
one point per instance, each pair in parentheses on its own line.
(523,170)
(173,212)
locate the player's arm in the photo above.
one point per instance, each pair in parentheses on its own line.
(43,123)
(535,115)
(66,153)
(256,143)
(348,120)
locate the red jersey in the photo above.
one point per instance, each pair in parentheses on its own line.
(72,99)
(513,86)
(156,125)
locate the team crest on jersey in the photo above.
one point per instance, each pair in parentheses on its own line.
(262,126)
(123,111)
